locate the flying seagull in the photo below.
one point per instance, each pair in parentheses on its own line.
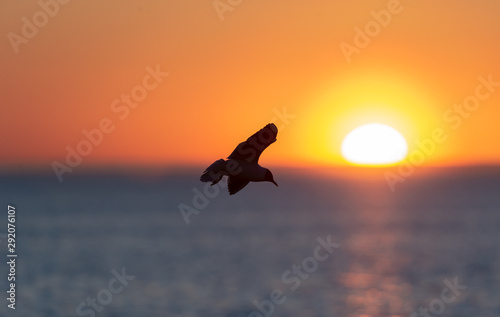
(242,165)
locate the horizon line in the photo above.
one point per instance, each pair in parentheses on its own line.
(9,169)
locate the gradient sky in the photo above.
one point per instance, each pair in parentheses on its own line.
(228,78)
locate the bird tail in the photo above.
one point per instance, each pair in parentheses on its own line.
(214,172)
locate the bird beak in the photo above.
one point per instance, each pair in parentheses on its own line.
(275,183)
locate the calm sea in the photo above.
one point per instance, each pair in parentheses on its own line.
(319,245)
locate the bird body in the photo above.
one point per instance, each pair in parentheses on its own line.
(242,166)
(250,171)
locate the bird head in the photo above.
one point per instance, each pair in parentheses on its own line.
(269,177)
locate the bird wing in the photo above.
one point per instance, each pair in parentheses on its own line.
(235,184)
(251,149)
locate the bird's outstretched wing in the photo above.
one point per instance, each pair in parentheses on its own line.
(251,149)
(235,184)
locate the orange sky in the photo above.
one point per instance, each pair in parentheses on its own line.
(228,78)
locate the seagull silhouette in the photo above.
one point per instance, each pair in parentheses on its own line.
(242,165)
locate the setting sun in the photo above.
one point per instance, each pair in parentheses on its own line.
(374,144)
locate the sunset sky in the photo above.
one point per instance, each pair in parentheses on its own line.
(230,72)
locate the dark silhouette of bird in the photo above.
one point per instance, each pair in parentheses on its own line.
(242,166)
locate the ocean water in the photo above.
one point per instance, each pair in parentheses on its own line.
(319,245)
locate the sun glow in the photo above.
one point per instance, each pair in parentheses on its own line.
(374,144)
